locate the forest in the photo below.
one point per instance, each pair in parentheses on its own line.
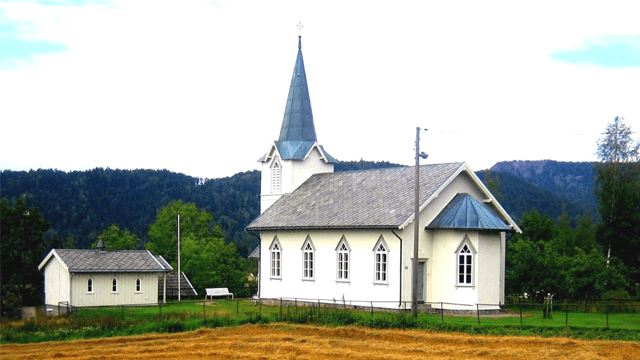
(565,248)
(79,205)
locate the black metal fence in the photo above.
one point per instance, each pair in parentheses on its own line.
(517,311)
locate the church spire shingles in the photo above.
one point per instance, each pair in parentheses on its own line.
(297,124)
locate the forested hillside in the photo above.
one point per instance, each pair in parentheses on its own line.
(82,204)
(572,181)
(518,197)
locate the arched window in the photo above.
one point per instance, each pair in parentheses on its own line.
(114,285)
(276,258)
(138,285)
(90,285)
(381,261)
(308,259)
(276,177)
(342,260)
(465,263)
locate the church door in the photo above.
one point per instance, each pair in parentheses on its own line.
(421,289)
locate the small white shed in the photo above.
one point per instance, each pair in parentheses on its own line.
(85,278)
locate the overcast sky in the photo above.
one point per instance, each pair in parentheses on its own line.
(199,87)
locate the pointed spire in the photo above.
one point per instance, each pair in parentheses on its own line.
(297,124)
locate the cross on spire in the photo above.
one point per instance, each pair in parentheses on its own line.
(300,26)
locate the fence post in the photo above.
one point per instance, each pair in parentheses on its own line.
(260,300)
(160,308)
(478,312)
(566,315)
(237,307)
(280,309)
(204,314)
(607,310)
(520,306)
(442,312)
(122,312)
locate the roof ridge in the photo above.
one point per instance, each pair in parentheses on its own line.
(459,163)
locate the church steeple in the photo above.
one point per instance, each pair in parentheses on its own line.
(297,124)
(296,155)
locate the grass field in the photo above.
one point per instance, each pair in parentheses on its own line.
(285,341)
(190,316)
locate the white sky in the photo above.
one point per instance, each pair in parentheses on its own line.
(199,87)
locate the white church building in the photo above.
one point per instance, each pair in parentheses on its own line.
(348,236)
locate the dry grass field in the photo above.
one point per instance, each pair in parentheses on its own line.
(282,341)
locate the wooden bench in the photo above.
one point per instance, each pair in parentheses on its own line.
(217,292)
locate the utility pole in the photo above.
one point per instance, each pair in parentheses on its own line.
(179,274)
(416,227)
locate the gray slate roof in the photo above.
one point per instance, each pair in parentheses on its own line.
(465,212)
(112,261)
(380,198)
(255,254)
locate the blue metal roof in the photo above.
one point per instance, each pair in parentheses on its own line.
(298,133)
(297,124)
(465,212)
(294,149)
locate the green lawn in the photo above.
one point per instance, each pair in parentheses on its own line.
(242,308)
(186,316)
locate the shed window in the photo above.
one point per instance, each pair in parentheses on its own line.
(90,285)
(114,285)
(138,285)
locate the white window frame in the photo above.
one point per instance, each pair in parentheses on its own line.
(138,285)
(275,259)
(465,263)
(114,285)
(90,285)
(343,260)
(308,259)
(381,262)
(276,177)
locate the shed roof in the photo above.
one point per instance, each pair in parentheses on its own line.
(465,212)
(77,260)
(380,198)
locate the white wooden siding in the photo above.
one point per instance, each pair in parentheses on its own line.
(102,289)
(56,283)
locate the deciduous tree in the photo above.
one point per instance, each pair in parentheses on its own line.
(205,256)
(117,239)
(618,193)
